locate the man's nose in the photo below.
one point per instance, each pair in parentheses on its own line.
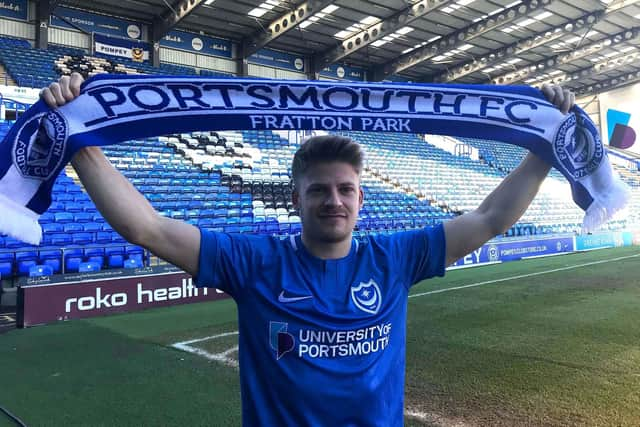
(333,198)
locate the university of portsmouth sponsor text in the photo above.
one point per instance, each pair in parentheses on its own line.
(330,344)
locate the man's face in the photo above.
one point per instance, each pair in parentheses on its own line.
(329,197)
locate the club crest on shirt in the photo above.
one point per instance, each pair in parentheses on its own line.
(578,146)
(40,145)
(367,296)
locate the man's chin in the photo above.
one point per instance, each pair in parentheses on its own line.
(336,236)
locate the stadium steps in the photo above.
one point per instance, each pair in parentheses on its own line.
(8,296)
(154,260)
(5,77)
(71,173)
(628,153)
(409,190)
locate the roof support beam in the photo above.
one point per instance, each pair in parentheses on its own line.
(43,11)
(594,70)
(377,32)
(547,64)
(512,50)
(614,82)
(457,38)
(178,12)
(285,22)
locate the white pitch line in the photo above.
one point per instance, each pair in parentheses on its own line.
(228,352)
(225,334)
(218,357)
(522,276)
(434,419)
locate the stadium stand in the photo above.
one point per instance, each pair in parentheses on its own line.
(240,181)
(30,67)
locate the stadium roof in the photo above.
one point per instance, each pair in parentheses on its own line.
(587,45)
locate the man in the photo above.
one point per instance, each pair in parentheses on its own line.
(321,315)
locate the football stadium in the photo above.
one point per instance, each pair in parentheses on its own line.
(229,256)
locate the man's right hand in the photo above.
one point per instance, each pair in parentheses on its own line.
(128,212)
(64,90)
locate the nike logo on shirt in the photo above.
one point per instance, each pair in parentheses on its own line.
(285,299)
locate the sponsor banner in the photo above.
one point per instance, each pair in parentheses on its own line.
(604,240)
(123,48)
(344,72)
(23,95)
(197,43)
(94,23)
(15,9)
(513,250)
(43,302)
(277,59)
(619,118)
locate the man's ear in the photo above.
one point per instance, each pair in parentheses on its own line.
(361,197)
(295,198)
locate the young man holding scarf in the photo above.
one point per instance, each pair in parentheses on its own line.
(321,316)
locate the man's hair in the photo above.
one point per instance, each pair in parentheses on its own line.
(326,149)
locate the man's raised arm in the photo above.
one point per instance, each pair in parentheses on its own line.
(508,202)
(122,206)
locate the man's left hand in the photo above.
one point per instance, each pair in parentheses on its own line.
(564,99)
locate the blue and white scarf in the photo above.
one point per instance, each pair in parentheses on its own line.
(115,108)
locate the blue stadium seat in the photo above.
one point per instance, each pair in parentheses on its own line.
(73,207)
(25,260)
(135,252)
(11,243)
(115,256)
(6,268)
(54,263)
(87,267)
(72,259)
(103,237)
(60,239)
(116,238)
(63,217)
(40,270)
(24,266)
(132,263)
(51,227)
(95,255)
(82,238)
(83,217)
(46,218)
(72,227)
(92,227)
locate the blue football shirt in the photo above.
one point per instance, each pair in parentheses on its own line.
(322,342)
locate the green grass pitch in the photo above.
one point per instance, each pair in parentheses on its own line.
(549,341)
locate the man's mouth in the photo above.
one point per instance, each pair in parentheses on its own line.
(333,216)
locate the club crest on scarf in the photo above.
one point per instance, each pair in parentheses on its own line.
(39,146)
(578,146)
